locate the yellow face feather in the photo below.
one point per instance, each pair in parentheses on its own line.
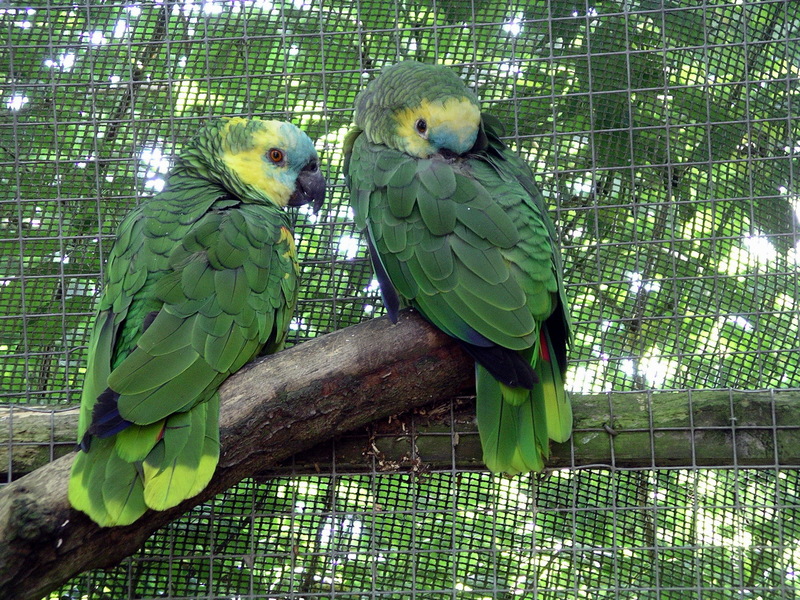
(249,165)
(456,119)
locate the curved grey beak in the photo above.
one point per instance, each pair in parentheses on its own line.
(309,188)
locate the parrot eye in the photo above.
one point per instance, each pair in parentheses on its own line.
(276,156)
(422,127)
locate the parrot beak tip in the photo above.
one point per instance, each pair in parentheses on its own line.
(310,188)
(318,204)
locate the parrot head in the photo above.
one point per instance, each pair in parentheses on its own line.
(422,110)
(259,161)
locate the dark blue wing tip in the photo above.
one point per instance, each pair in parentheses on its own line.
(389,295)
(84,444)
(392,303)
(106,420)
(505,365)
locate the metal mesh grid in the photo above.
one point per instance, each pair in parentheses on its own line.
(665,134)
(571,534)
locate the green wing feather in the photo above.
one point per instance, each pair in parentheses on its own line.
(468,242)
(219,272)
(201,279)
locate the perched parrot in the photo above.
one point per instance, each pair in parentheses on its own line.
(201,279)
(457,229)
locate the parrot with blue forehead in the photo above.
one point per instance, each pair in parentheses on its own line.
(457,229)
(201,279)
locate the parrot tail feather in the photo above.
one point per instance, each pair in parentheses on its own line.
(185,458)
(513,429)
(516,423)
(496,424)
(551,393)
(155,466)
(105,487)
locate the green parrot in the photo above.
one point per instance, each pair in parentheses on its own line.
(458,230)
(201,279)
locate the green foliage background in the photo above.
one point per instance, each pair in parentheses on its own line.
(666,135)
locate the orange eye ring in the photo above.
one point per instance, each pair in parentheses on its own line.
(276,155)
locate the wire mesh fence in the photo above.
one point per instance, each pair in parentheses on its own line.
(665,136)
(606,534)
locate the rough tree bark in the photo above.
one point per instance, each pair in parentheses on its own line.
(621,429)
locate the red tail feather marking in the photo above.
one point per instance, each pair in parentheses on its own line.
(544,351)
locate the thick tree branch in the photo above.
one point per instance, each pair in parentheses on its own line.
(618,429)
(272,409)
(285,404)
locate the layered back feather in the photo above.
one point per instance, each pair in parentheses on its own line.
(201,279)
(460,232)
